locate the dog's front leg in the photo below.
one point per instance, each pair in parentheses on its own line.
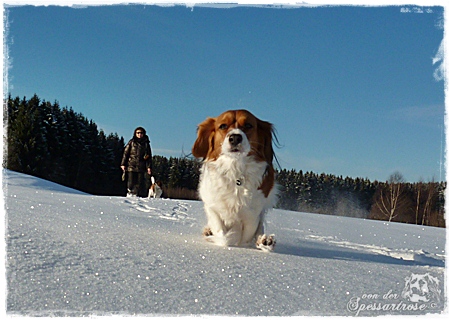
(215,227)
(264,242)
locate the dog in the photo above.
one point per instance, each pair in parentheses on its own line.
(237,178)
(421,288)
(155,190)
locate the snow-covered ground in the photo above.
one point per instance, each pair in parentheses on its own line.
(73,254)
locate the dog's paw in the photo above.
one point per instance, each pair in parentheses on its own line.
(266,243)
(207,232)
(217,238)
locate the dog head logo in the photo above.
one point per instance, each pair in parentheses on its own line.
(421,288)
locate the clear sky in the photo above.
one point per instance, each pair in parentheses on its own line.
(351,90)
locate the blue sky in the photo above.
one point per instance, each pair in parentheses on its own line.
(352,91)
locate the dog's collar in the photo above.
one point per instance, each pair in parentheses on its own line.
(240,181)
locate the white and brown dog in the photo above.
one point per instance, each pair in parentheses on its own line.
(155,190)
(237,182)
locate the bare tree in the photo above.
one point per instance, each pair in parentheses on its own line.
(426,197)
(432,193)
(392,197)
(418,195)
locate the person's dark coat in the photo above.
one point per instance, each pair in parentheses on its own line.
(137,156)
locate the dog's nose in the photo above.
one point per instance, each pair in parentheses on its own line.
(235,139)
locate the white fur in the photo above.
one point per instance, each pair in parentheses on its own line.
(234,206)
(244,146)
(154,191)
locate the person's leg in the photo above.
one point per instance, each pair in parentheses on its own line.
(139,183)
(131,183)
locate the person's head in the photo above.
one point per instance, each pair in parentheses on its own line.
(139,132)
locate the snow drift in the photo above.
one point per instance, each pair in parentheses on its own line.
(74,254)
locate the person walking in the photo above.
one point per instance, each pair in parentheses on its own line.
(136,160)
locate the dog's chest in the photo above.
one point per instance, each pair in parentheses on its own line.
(233,183)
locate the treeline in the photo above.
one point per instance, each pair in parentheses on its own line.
(63,146)
(179,176)
(418,203)
(393,200)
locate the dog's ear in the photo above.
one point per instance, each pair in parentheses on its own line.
(205,138)
(265,132)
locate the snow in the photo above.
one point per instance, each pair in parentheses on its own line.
(74,254)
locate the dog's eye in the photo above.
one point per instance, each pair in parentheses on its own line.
(248,126)
(223,127)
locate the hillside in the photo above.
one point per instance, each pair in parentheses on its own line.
(74,254)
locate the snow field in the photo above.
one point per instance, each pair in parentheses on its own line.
(70,253)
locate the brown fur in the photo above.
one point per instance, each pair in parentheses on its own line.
(212,132)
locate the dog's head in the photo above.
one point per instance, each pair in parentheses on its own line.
(421,287)
(234,133)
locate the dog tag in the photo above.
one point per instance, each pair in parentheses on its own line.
(238,182)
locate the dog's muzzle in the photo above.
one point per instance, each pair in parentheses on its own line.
(236,142)
(235,139)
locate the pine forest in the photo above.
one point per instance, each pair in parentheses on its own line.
(58,144)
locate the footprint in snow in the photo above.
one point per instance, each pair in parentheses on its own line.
(176,213)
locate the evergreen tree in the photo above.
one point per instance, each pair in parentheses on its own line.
(174,173)
(26,145)
(63,146)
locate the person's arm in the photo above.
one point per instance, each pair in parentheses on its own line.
(126,155)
